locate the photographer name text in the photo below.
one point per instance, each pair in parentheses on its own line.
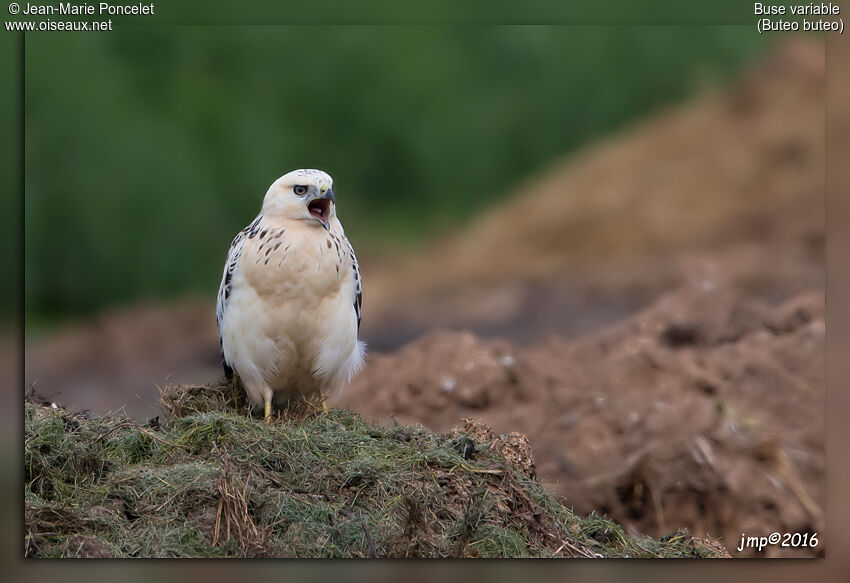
(101,9)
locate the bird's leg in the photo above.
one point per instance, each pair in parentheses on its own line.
(267,400)
(325,406)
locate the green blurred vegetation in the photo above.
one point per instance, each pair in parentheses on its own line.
(11,165)
(148,148)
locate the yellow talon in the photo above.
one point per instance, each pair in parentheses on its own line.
(324,406)
(268,412)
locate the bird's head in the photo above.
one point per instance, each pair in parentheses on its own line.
(302,195)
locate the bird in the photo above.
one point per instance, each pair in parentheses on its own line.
(289,304)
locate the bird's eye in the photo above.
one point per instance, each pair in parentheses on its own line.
(300,190)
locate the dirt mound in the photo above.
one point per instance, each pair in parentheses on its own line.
(742,166)
(704,411)
(212,482)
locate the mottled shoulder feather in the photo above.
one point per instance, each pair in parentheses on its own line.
(230,267)
(358,283)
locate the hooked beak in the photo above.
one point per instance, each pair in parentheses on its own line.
(320,207)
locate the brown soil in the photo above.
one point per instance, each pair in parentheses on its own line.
(609,229)
(706,408)
(116,361)
(704,411)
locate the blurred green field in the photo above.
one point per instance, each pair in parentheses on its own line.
(149,147)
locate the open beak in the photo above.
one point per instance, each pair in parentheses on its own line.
(320,207)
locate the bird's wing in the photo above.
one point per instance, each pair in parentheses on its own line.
(358,283)
(226,286)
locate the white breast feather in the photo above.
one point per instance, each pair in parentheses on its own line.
(288,311)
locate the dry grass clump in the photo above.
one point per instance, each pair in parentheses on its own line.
(210,481)
(185,400)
